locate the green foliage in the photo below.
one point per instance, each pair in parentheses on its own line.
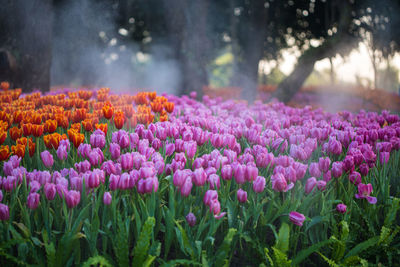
(97,261)
(143,244)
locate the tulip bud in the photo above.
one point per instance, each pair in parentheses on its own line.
(259,184)
(47,159)
(199,177)
(310,184)
(341,208)
(107,198)
(191,219)
(296,218)
(33,200)
(50,191)
(241,195)
(337,169)
(4,212)
(72,198)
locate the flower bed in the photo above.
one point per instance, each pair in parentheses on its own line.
(90,177)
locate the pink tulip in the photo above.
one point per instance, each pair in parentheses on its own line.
(115,151)
(341,208)
(337,169)
(310,184)
(364,191)
(355,178)
(72,198)
(107,198)
(199,177)
(4,212)
(296,218)
(241,195)
(259,184)
(210,196)
(47,159)
(314,170)
(191,219)
(186,188)
(33,200)
(239,173)
(50,191)
(214,181)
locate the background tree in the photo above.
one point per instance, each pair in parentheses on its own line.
(26,30)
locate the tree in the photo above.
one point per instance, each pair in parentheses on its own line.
(26,30)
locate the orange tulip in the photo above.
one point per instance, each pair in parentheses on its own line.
(108,111)
(128,110)
(22,141)
(62,120)
(37,130)
(15,133)
(152,95)
(169,106)
(18,115)
(133,121)
(31,147)
(3,136)
(103,127)
(119,121)
(164,117)
(4,125)
(87,125)
(36,118)
(27,129)
(4,86)
(18,150)
(50,126)
(156,106)
(75,137)
(4,152)
(76,126)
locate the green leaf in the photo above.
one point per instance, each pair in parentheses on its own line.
(180,262)
(266,252)
(363,246)
(25,231)
(391,215)
(303,254)
(223,251)
(281,259)
(184,242)
(96,260)
(121,246)
(204,261)
(329,261)
(282,243)
(143,243)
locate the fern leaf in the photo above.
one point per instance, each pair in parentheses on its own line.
(391,216)
(222,254)
(363,246)
(180,262)
(121,246)
(282,243)
(143,243)
(281,258)
(96,260)
(330,262)
(303,254)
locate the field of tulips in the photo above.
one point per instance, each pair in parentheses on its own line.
(92,178)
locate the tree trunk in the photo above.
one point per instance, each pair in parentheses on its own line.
(29,26)
(305,64)
(248,48)
(187,24)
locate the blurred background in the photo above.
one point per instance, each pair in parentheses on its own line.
(335,54)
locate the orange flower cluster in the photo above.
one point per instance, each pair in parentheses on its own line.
(55,117)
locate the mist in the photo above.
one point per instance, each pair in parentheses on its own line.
(90,50)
